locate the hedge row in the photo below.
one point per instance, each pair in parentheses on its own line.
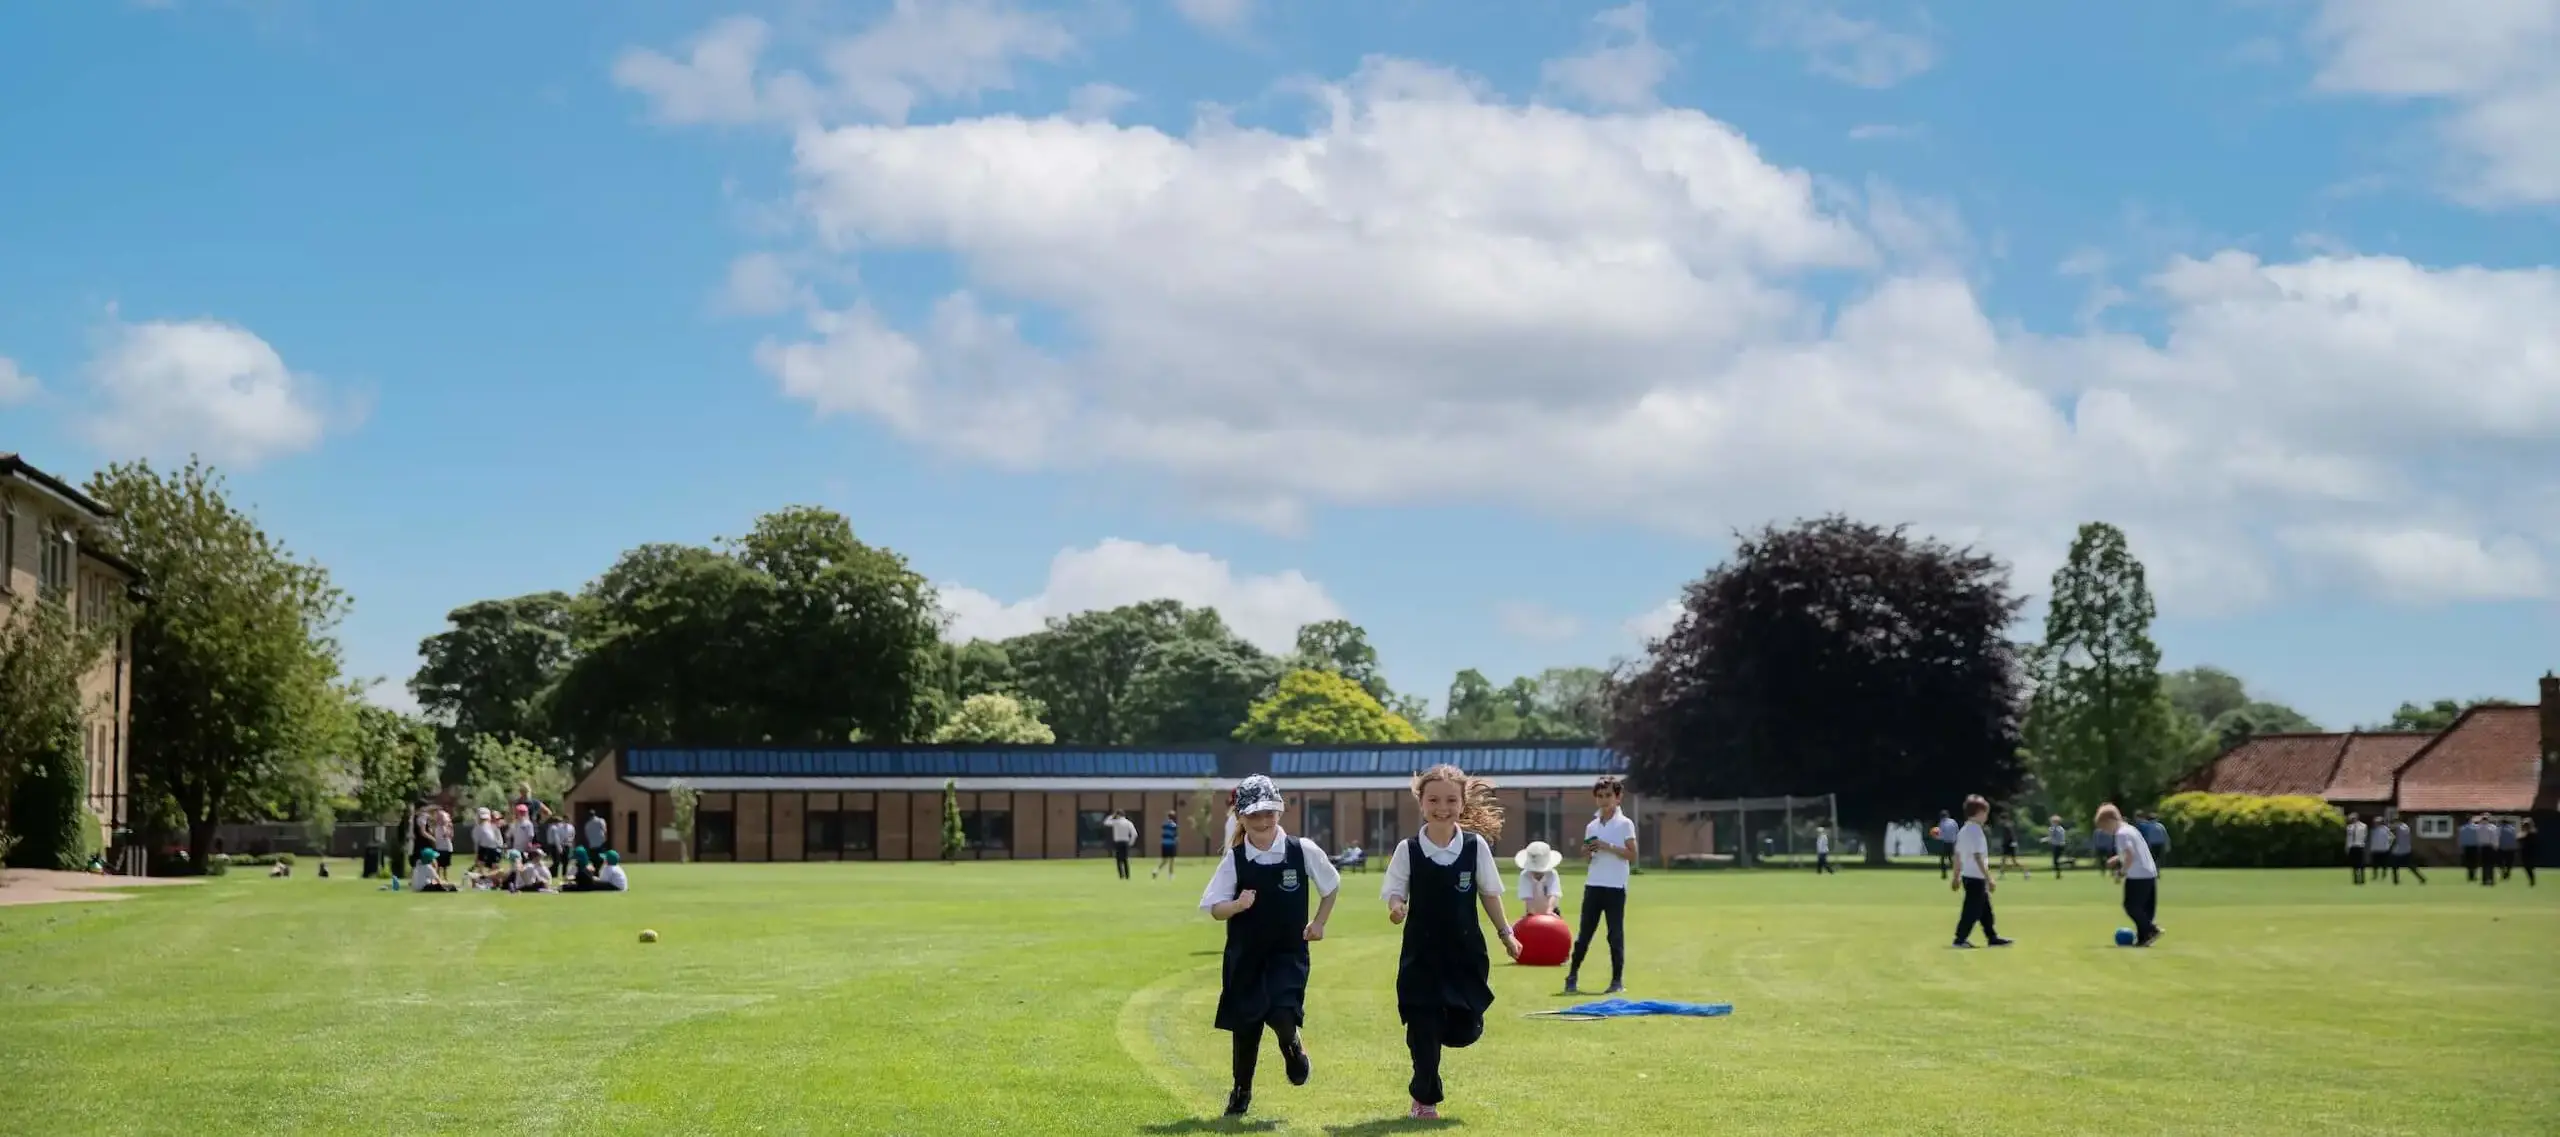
(2247,831)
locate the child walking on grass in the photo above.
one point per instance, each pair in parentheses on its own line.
(1259,891)
(1435,882)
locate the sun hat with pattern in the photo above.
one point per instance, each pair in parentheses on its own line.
(1257,794)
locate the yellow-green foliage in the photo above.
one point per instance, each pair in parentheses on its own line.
(1322,706)
(2249,831)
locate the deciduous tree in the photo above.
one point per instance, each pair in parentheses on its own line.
(996,718)
(44,651)
(1314,705)
(490,672)
(1832,657)
(237,711)
(2101,727)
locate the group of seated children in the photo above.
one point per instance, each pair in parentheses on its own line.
(527,872)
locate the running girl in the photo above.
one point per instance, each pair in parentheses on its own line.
(1260,892)
(1434,884)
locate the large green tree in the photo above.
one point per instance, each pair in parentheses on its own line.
(44,652)
(1314,706)
(491,671)
(797,633)
(237,709)
(1342,647)
(996,718)
(1560,703)
(1152,673)
(1195,689)
(395,760)
(2217,711)
(2101,727)
(1832,656)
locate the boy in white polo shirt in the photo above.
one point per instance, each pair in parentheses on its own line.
(2140,873)
(2355,848)
(1973,873)
(1610,843)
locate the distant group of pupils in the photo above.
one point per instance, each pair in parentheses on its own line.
(1435,883)
(530,851)
(2131,862)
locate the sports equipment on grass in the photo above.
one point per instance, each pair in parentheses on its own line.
(2124,937)
(1633,1008)
(1544,941)
(647,936)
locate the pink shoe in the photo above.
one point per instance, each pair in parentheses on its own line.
(1423,1112)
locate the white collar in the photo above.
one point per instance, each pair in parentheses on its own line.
(1279,844)
(1455,843)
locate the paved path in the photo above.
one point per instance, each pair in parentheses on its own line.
(43,886)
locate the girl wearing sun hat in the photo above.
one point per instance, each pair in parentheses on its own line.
(1541,890)
(1259,892)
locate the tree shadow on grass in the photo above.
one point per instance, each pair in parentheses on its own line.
(1214,1125)
(1386,1125)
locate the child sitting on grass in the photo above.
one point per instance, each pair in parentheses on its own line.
(426,878)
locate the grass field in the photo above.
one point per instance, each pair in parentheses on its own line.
(1050,998)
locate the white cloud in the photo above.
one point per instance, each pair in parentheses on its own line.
(2493,64)
(1266,610)
(202,386)
(1885,132)
(920,51)
(1223,16)
(16,386)
(1862,53)
(1097,102)
(2430,564)
(1656,622)
(1531,621)
(1621,68)
(761,284)
(1431,295)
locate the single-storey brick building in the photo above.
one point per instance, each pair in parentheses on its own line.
(1031,802)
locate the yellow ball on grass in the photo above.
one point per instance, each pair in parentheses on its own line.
(648,937)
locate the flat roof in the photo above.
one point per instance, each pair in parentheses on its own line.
(934,783)
(1189,764)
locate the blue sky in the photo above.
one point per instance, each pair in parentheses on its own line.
(1477,323)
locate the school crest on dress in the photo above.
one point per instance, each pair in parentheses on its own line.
(1466,882)
(1288,880)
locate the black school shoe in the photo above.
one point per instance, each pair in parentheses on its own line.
(1998,942)
(1295,1059)
(1238,1100)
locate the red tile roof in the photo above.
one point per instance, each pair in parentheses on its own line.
(2272,764)
(2489,759)
(2364,774)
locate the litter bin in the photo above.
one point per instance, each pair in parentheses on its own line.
(372,860)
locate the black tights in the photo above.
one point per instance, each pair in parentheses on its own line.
(1601,901)
(1426,1031)
(1248,1044)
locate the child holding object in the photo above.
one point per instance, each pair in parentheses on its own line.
(2134,867)
(1434,883)
(1541,889)
(1259,891)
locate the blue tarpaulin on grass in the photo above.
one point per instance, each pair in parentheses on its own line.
(1631,1008)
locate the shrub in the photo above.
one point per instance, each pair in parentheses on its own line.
(218,865)
(257,860)
(2248,831)
(48,810)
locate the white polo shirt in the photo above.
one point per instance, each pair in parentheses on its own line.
(1320,870)
(2136,852)
(2380,838)
(1971,844)
(1822,842)
(1488,879)
(1535,885)
(424,876)
(1609,870)
(613,878)
(2355,835)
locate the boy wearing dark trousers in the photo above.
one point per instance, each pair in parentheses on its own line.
(2135,868)
(2404,852)
(2355,848)
(2060,838)
(1609,843)
(1259,891)
(1973,874)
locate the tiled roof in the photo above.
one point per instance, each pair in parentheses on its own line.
(2489,759)
(2272,764)
(2364,774)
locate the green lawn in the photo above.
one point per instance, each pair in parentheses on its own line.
(1050,998)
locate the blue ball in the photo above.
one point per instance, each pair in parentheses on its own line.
(2124,937)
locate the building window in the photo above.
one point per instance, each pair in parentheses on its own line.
(1546,818)
(53,563)
(1381,828)
(987,829)
(2435,827)
(849,831)
(1093,829)
(1319,815)
(715,834)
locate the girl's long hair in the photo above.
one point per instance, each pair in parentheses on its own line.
(1481,813)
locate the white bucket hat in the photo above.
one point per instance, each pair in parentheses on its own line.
(1538,857)
(1257,794)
